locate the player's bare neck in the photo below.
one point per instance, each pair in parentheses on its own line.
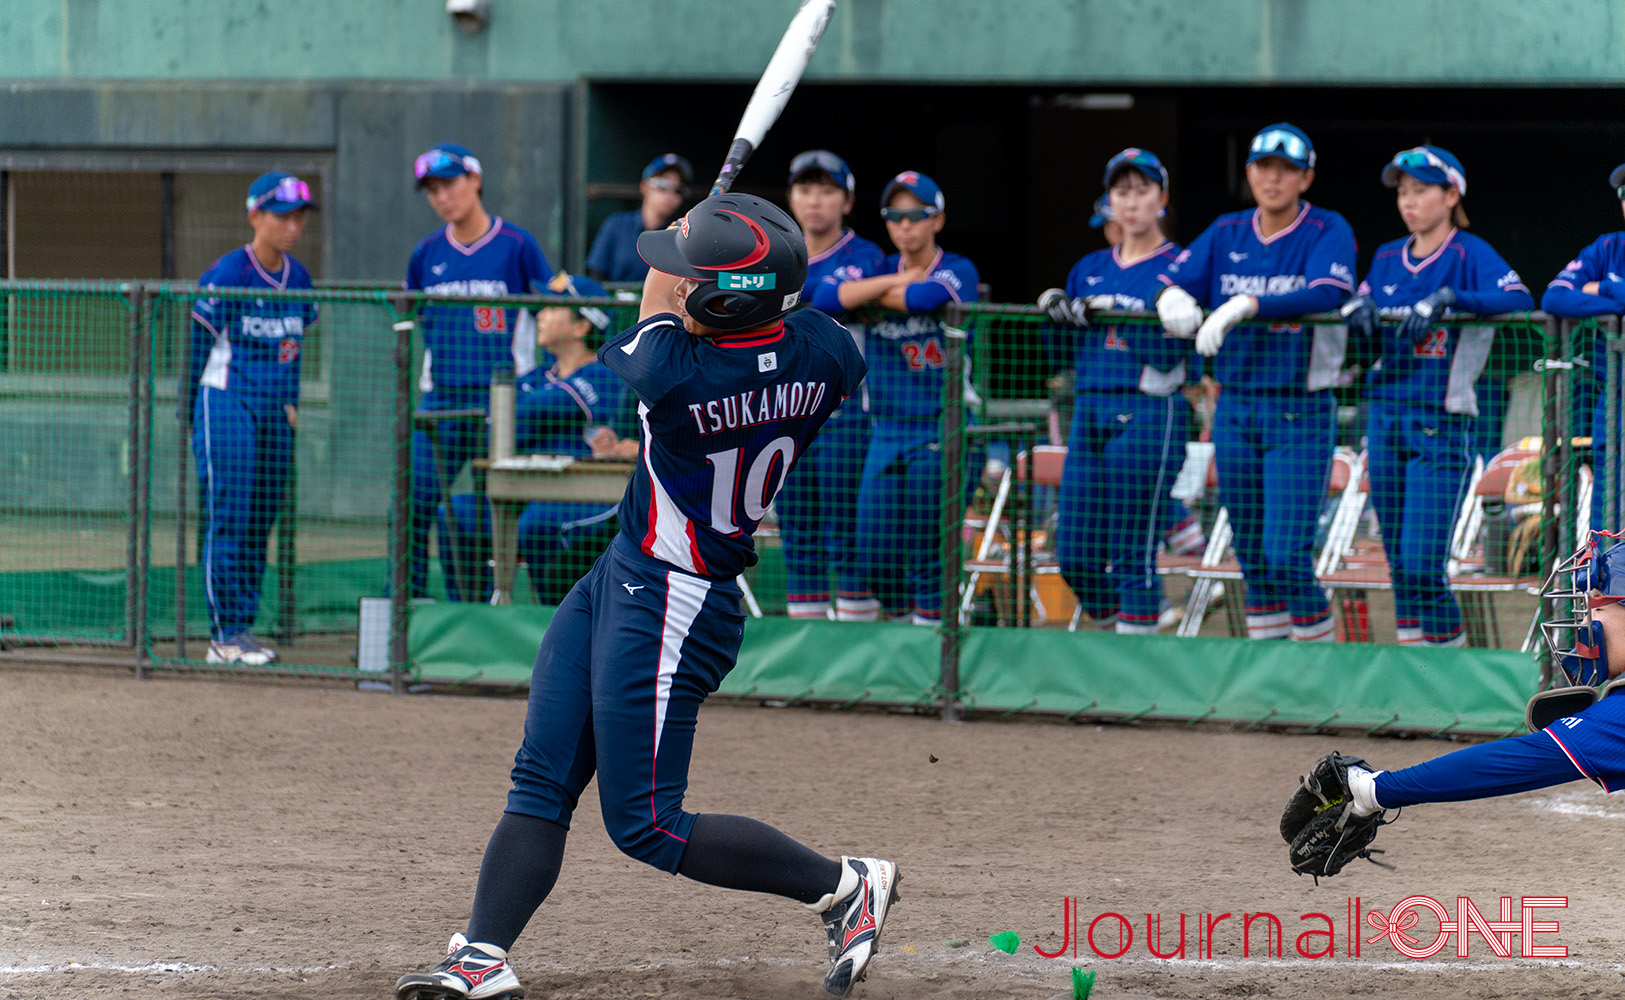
(817,243)
(1424,244)
(269,257)
(1272,222)
(471,227)
(1135,248)
(920,258)
(571,358)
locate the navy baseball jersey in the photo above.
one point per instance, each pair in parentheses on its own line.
(1109,357)
(555,414)
(1602,261)
(852,257)
(614,252)
(723,420)
(1441,370)
(1308,267)
(464,344)
(905,350)
(249,347)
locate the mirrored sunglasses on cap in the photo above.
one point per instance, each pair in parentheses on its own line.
(1418,158)
(439,159)
(820,159)
(911,214)
(288,190)
(1279,140)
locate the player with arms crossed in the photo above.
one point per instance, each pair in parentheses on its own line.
(1574,732)
(1423,403)
(818,507)
(731,391)
(478,256)
(1276,422)
(1129,420)
(902,473)
(1593,284)
(240,392)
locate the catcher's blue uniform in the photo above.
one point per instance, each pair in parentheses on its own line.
(554,416)
(641,641)
(1276,421)
(1126,442)
(902,472)
(1602,261)
(242,373)
(463,346)
(818,507)
(1423,408)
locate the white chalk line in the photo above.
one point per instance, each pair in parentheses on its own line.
(150,969)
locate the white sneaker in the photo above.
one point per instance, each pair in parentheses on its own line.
(470,972)
(240,647)
(853,917)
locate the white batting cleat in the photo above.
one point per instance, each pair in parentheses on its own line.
(471,972)
(853,917)
(240,647)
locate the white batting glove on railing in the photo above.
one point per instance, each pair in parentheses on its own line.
(1211,336)
(1179,311)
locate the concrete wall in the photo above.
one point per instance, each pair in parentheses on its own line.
(1055,41)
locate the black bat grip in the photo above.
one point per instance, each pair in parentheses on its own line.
(738,153)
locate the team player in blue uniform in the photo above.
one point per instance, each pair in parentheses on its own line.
(1275,425)
(1423,404)
(1593,284)
(1129,420)
(557,411)
(614,253)
(902,473)
(1578,733)
(478,256)
(818,507)
(240,392)
(731,390)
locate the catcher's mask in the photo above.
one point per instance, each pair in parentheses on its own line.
(747,254)
(1593,577)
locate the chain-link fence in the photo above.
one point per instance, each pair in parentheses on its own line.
(988,474)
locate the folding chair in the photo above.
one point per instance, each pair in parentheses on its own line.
(1474,586)
(996,551)
(1219,566)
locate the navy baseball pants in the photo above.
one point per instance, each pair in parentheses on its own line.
(244,450)
(1274,452)
(1420,463)
(1123,452)
(818,515)
(629,656)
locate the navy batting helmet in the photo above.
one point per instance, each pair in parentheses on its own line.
(748,255)
(1596,578)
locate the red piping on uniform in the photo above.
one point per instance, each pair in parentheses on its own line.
(654,757)
(1575,761)
(757,338)
(694,552)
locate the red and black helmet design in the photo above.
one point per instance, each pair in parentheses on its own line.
(748,254)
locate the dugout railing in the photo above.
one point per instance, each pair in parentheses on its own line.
(101,515)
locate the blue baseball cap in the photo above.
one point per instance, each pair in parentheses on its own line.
(446,160)
(1143,160)
(579,286)
(917,184)
(1103,212)
(669,161)
(829,163)
(1286,141)
(1617,178)
(279,193)
(1428,164)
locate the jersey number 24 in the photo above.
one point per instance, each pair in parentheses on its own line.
(922,355)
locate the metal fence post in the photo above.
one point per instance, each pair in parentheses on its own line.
(143,470)
(182,501)
(404,305)
(287,550)
(952,510)
(1553,430)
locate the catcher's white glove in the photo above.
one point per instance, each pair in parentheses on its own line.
(1178,311)
(1218,323)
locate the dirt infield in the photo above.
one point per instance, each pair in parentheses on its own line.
(198,838)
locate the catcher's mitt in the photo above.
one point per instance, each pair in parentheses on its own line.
(1319,822)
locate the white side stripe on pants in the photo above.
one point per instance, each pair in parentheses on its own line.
(685,595)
